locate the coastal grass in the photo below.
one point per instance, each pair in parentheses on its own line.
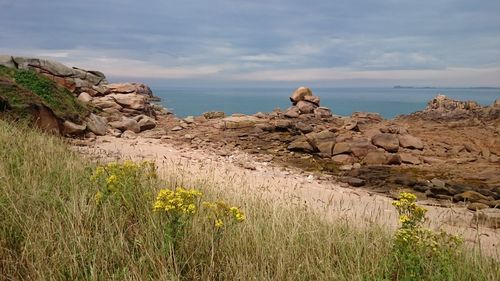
(53,228)
(23,88)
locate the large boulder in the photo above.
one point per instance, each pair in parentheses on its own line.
(299,94)
(292,112)
(389,142)
(312,99)
(301,144)
(361,148)
(72,129)
(96,124)
(306,107)
(145,122)
(375,158)
(84,97)
(341,148)
(126,124)
(132,101)
(411,142)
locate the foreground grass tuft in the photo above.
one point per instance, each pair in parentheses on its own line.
(58,222)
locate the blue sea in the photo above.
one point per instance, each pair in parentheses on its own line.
(389,102)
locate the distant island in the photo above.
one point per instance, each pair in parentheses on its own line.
(428,87)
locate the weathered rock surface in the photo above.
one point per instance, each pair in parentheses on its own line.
(299,94)
(411,142)
(96,124)
(389,142)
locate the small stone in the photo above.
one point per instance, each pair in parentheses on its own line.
(292,112)
(303,127)
(176,128)
(356,182)
(476,206)
(129,135)
(189,119)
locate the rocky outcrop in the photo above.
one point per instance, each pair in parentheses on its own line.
(127,106)
(442,108)
(74,79)
(305,103)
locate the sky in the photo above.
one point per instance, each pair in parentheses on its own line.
(264,42)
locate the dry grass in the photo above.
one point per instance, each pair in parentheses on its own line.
(52,229)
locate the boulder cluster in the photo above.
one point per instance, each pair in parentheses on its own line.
(304,102)
(122,107)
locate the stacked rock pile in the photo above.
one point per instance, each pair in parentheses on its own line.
(304,102)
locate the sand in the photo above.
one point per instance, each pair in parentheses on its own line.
(239,174)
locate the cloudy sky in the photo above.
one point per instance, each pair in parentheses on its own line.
(264,42)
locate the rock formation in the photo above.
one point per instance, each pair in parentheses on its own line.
(121,106)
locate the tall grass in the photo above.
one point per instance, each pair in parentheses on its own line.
(52,228)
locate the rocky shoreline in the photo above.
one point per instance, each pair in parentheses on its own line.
(449,151)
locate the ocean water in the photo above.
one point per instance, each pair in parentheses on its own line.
(389,102)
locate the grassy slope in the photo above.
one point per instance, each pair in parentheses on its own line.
(22,88)
(52,229)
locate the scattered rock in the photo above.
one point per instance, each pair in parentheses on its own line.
(301,144)
(96,124)
(292,112)
(389,142)
(126,124)
(471,196)
(129,135)
(303,127)
(411,142)
(343,159)
(356,182)
(84,97)
(312,99)
(214,115)
(72,129)
(305,107)
(176,128)
(341,148)
(476,206)
(375,158)
(322,112)
(408,158)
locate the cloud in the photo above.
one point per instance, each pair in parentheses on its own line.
(233,39)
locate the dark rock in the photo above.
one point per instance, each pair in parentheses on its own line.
(393,159)
(405,181)
(356,182)
(375,158)
(302,145)
(303,127)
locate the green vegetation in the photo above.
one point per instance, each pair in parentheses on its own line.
(22,88)
(64,218)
